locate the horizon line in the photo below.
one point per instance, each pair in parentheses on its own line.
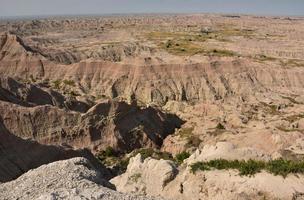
(143,13)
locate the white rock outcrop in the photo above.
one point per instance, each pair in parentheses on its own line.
(159,178)
(69,179)
(147,176)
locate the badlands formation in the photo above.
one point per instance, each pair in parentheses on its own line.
(166,107)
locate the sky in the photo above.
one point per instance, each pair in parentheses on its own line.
(95,7)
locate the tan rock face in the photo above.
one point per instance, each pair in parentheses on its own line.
(215,184)
(17,156)
(109,123)
(143,173)
(154,83)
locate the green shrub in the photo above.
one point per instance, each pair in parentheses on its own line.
(220,126)
(221,164)
(149,152)
(251,167)
(285,167)
(202,166)
(179,158)
(135,177)
(69,82)
(108,152)
(57,84)
(111,158)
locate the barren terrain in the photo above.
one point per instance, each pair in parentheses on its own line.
(182,89)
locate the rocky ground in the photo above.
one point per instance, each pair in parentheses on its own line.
(69,179)
(170,106)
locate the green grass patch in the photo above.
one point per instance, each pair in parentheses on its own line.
(153,153)
(69,82)
(135,177)
(251,167)
(179,158)
(119,162)
(220,126)
(187,44)
(181,47)
(57,83)
(285,167)
(113,159)
(228,31)
(188,48)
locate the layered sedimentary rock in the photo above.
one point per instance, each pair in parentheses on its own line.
(17,156)
(207,80)
(236,91)
(109,123)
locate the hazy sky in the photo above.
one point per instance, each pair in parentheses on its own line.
(72,7)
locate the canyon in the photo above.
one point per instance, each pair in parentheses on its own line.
(131,103)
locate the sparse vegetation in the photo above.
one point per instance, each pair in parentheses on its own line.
(135,177)
(111,158)
(68,82)
(57,84)
(285,167)
(179,158)
(220,126)
(251,167)
(149,152)
(185,132)
(108,152)
(187,43)
(119,162)
(181,47)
